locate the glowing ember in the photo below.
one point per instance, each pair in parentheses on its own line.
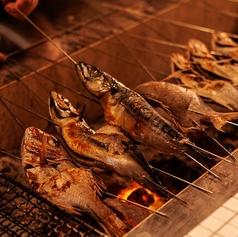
(136,193)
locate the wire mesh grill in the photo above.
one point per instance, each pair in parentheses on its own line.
(24,213)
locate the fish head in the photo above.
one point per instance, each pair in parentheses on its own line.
(40,149)
(222,39)
(198,49)
(179,61)
(61,105)
(60,109)
(97,82)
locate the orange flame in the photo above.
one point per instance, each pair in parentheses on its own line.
(125,193)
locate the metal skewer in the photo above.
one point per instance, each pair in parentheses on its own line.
(216,176)
(166,190)
(43,33)
(195,111)
(215,140)
(139,205)
(183,180)
(22,107)
(9,154)
(208,152)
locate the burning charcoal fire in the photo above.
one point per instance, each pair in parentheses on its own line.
(142,197)
(3,57)
(136,193)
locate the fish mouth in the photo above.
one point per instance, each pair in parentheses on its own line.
(60,107)
(97,82)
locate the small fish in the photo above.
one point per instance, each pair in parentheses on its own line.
(107,148)
(207,64)
(50,173)
(219,91)
(184,105)
(128,110)
(223,44)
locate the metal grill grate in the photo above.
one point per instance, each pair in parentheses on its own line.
(24,213)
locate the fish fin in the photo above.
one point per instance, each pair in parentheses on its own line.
(219,119)
(98,183)
(166,109)
(100,186)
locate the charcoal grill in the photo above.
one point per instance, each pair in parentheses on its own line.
(92,31)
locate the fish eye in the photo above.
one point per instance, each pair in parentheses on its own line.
(114,89)
(66,101)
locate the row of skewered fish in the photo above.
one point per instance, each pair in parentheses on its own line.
(61,169)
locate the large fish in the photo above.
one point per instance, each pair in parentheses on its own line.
(184,105)
(50,173)
(106,148)
(127,109)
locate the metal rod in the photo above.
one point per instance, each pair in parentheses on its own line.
(215,140)
(9,154)
(43,33)
(208,152)
(137,204)
(183,180)
(164,189)
(195,111)
(30,111)
(216,176)
(175,22)
(18,121)
(55,81)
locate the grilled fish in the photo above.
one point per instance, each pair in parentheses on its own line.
(202,59)
(107,148)
(127,109)
(184,105)
(50,173)
(225,45)
(219,91)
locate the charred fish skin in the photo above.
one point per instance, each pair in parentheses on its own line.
(108,147)
(126,108)
(61,182)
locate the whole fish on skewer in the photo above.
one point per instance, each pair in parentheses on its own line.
(219,91)
(128,110)
(107,148)
(50,173)
(208,65)
(184,105)
(222,44)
